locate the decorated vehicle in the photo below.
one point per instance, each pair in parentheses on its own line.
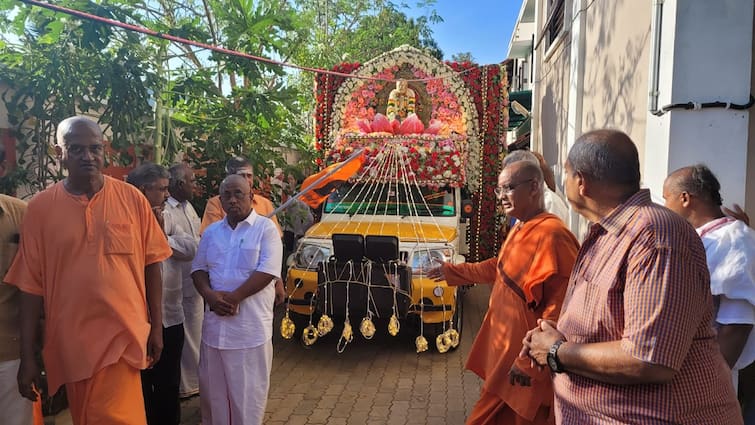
(431,135)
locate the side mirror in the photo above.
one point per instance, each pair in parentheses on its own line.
(467,208)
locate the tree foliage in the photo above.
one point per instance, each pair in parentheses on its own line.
(55,68)
(463,57)
(178,98)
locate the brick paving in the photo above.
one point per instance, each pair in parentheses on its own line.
(382,381)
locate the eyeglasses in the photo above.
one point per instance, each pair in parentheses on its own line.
(508,189)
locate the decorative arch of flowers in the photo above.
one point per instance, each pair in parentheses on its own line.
(472,102)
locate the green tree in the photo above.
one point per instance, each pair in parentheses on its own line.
(335,31)
(463,57)
(55,68)
(179,98)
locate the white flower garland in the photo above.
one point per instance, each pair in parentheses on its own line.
(409,55)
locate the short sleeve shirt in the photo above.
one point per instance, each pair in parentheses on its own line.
(86,258)
(730,250)
(230,256)
(641,278)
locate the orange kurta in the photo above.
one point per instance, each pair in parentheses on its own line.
(213,211)
(537,257)
(86,258)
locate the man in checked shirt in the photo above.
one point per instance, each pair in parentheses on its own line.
(635,342)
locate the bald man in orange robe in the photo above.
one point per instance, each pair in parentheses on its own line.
(90,254)
(529,280)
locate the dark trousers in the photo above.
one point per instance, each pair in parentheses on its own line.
(160,384)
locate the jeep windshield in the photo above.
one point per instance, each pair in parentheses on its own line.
(391,199)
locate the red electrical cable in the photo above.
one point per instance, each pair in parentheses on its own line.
(218,49)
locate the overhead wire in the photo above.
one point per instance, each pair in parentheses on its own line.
(223,50)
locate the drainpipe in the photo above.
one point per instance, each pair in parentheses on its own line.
(655,58)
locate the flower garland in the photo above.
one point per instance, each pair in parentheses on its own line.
(481,95)
(430,160)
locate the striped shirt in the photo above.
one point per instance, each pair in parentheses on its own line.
(641,278)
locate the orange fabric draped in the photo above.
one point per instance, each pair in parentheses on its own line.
(536,258)
(112,396)
(316,195)
(491,410)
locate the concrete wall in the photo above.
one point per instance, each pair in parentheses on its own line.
(617,47)
(596,78)
(706,56)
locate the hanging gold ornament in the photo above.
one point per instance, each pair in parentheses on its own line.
(347,334)
(393,325)
(442,342)
(421,344)
(309,335)
(324,325)
(367,328)
(453,337)
(287,327)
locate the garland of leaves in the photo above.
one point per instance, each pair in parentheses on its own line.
(487,87)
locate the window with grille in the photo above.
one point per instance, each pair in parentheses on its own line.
(555,22)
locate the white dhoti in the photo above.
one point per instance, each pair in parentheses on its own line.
(233,384)
(193,305)
(15,409)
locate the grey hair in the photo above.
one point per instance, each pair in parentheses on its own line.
(66,124)
(607,156)
(699,181)
(146,174)
(520,155)
(178,172)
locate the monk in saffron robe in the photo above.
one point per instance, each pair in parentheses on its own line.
(90,254)
(529,280)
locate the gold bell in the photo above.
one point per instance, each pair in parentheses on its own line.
(309,335)
(393,325)
(453,337)
(324,325)
(367,328)
(421,344)
(287,327)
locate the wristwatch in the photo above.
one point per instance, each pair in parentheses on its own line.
(553,362)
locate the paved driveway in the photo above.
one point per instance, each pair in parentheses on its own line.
(381,381)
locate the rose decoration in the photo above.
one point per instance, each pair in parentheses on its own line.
(468,110)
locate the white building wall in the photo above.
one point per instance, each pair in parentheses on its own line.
(706,56)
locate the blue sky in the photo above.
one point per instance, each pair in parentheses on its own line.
(482,27)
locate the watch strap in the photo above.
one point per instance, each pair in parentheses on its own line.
(553,362)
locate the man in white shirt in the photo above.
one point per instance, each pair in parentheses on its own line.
(183,216)
(160,383)
(693,193)
(237,261)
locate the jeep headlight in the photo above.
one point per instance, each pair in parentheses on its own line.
(425,259)
(309,255)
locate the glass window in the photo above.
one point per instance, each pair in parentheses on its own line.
(392,199)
